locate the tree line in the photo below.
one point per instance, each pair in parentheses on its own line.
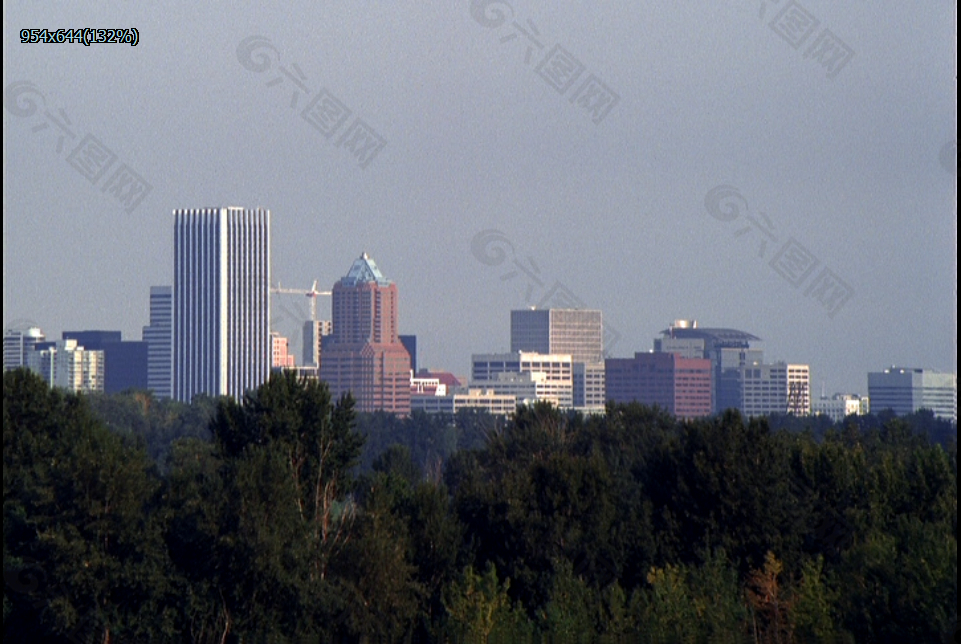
(288,517)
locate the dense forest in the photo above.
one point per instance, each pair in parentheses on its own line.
(288,517)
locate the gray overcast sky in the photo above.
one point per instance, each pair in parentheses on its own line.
(831,161)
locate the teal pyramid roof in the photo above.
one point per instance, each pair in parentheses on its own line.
(362,271)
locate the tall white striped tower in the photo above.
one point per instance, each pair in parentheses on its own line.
(221,301)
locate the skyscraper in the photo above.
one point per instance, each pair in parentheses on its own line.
(575,332)
(280,355)
(314,331)
(221,301)
(363,354)
(159,338)
(410,343)
(578,333)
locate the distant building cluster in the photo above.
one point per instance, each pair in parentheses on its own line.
(695,371)
(210,333)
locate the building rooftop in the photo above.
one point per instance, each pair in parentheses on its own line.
(364,270)
(719,337)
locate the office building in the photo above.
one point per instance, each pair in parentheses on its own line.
(528,376)
(777,388)
(465,398)
(92,340)
(679,385)
(445,378)
(729,350)
(906,390)
(280,355)
(363,354)
(18,344)
(221,301)
(575,332)
(526,388)
(589,386)
(426,385)
(125,363)
(159,338)
(314,331)
(125,366)
(68,365)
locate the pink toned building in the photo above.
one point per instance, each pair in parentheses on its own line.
(280,356)
(363,354)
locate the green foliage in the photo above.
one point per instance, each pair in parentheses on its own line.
(397,462)
(286,518)
(258,518)
(80,514)
(479,611)
(722,484)
(157,422)
(715,588)
(667,610)
(568,616)
(436,536)
(816,602)
(377,578)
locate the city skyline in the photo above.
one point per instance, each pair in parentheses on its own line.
(454,150)
(816,393)
(681,373)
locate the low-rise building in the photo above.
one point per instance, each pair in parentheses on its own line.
(528,376)
(840,406)
(906,390)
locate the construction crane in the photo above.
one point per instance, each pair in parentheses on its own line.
(312,293)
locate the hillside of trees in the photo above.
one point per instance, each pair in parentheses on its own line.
(288,517)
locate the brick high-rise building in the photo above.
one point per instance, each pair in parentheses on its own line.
(363,354)
(280,355)
(680,385)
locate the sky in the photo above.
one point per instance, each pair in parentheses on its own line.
(788,169)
